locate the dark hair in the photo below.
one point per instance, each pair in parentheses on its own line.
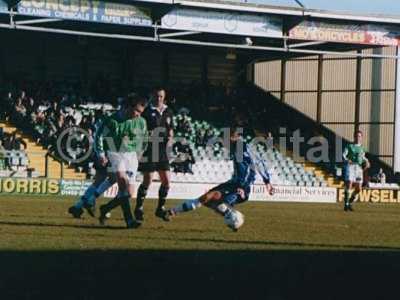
(236,129)
(160,88)
(134,99)
(357,132)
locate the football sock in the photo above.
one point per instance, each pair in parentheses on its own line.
(110,205)
(86,196)
(162,196)
(353,197)
(346,197)
(223,209)
(126,209)
(141,195)
(187,205)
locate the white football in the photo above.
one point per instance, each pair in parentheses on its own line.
(234,219)
(108,215)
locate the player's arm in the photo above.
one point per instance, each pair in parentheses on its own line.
(145,136)
(345,155)
(366,163)
(99,143)
(170,130)
(261,167)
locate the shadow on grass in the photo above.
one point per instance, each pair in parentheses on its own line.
(39,224)
(283,244)
(199,274)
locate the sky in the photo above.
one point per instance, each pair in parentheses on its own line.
(387,7)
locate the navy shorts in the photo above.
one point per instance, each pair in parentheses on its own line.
(229,193)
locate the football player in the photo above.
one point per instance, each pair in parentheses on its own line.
(355,163)
(223,197)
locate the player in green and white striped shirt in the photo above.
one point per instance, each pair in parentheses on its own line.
(355,162)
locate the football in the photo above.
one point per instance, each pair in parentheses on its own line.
(234,219)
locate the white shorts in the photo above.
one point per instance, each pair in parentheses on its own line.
(125,162)
(354,173)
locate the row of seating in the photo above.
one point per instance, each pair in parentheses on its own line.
(213,164)
(13,159)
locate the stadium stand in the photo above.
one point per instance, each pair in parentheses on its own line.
(42,121)
(213,165)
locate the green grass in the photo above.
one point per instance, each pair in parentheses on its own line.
(267,226)
(283,248)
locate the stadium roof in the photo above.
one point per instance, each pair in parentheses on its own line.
(385,11)
(263,30)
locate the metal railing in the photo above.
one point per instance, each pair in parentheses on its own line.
(47,172)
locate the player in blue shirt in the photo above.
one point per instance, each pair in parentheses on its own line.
(237,190)
(102,182)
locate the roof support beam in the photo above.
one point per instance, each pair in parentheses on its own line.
(193,42)
(36,21)
(175,34)
(305,44)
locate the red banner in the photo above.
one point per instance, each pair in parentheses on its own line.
(350,34)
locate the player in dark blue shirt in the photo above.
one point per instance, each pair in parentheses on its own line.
(236,190)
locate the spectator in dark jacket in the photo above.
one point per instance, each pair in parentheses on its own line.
(185,158)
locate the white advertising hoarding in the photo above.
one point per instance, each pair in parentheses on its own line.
(258,193)
(223,22)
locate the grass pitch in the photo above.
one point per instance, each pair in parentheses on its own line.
(283,250)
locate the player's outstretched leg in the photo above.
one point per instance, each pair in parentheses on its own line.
(185,206)
(190,205)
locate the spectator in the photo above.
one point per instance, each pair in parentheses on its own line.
(14,143)
(200,138)
(185,158)
(20,111)
(379,177)
(270,140)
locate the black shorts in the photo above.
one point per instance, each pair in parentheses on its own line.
(154,166)
(152,162)
(229,193)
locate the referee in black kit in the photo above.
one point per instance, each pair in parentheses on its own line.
(155,158)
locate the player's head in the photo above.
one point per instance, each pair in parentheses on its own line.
(160,95)
(134,105)
(358,135)
(235,133)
